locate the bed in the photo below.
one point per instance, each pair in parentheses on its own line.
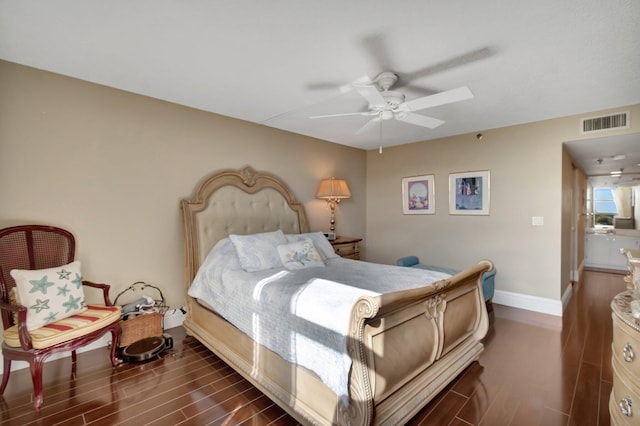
(403,346)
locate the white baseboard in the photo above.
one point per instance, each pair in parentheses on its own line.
(173,318)
(610,267)
(533,303)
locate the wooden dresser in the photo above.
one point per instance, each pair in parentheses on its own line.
(624,403)
(347,247)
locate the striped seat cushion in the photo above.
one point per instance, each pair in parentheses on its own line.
(94,318)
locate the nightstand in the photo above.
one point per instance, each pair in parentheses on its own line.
(347,247)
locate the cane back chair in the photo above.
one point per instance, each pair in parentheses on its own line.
(36,247)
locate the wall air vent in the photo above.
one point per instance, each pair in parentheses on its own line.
(619,120)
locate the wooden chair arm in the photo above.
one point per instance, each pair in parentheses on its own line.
(5,306)
(23,333)
(105,290)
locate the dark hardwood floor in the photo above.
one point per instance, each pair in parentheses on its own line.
(536,370)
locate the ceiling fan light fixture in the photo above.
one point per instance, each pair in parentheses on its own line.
(386,115)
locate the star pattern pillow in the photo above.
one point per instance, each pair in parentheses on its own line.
(319,240)
(50,294)
(300,255)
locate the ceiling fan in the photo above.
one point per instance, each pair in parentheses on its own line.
(385,104)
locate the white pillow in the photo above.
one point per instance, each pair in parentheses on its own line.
(258,251)
(300,255)
(50,294)
(323,245)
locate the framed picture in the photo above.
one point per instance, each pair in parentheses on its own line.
(418,195)
(469,193)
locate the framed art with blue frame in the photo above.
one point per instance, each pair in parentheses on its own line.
(418,195)
(469,193)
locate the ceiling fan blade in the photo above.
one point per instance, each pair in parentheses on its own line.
(419,120)
(442,98)
(342,87)
(371,94)
(447,64)
(378,49)
(343,114)
(361,81)
(369,124)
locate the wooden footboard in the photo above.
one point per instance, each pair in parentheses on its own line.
(406,347)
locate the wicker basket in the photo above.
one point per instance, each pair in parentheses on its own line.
(145,324)
(140,327)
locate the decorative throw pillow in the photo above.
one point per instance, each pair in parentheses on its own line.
(323,245)
(258,251)
(50,294)
(300,255)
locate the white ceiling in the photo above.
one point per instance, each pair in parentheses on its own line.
(278,62)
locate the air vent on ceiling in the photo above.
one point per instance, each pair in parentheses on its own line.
(619,120)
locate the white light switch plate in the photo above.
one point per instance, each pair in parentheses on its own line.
(537,221)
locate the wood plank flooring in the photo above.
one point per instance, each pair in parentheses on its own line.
(536,370)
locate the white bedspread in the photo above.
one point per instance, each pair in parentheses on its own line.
(301,315)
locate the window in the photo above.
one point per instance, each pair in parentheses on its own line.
(604,206)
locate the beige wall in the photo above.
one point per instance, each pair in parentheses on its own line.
(112,166)
(528,178)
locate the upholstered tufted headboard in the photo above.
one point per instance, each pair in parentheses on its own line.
(236,202)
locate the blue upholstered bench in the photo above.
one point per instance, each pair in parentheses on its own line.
(488,286)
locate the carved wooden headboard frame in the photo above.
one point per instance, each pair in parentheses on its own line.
(236,202)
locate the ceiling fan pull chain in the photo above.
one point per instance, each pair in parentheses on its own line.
(380,136)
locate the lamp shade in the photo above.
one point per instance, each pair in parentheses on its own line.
(333,189)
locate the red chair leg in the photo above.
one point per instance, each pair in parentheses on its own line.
(5,374)
(115,335)
(35,365)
